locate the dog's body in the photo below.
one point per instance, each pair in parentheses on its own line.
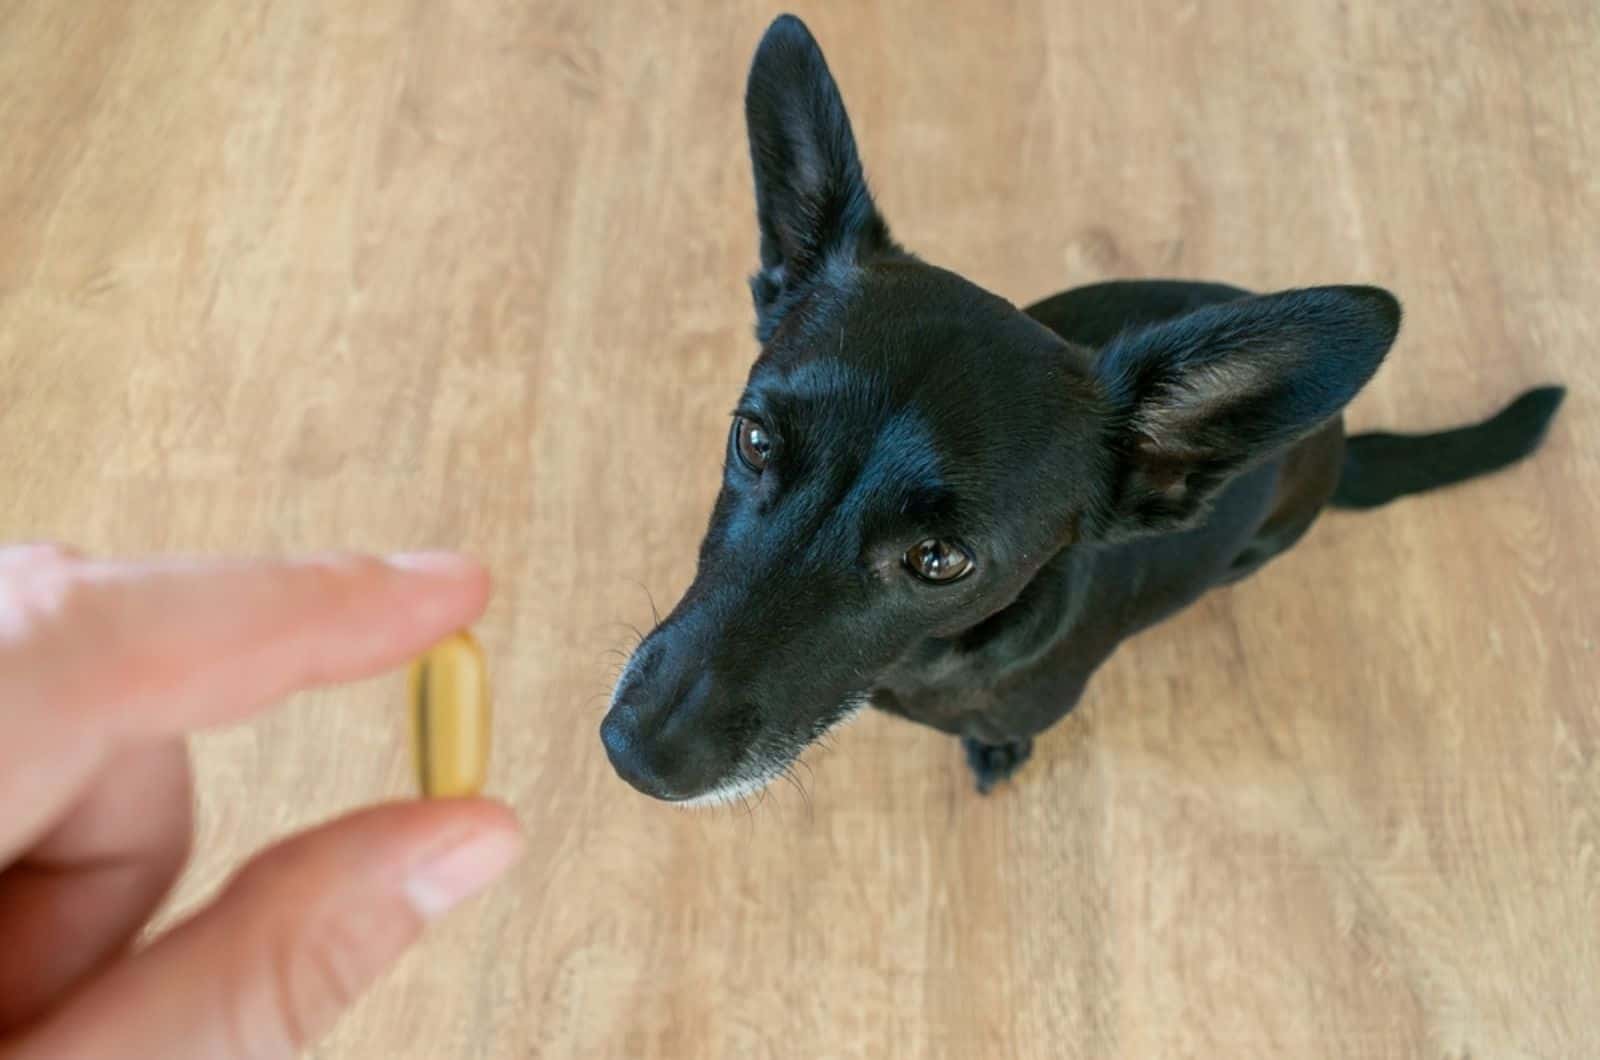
(955,510)
(1016,674)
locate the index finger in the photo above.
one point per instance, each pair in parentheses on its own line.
(172,645)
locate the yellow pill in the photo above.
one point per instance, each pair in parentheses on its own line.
(450,718)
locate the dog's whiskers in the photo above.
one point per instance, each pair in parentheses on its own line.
(795,782)
(655,614)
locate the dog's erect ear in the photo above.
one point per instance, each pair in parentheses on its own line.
(811,195)
(1196,400)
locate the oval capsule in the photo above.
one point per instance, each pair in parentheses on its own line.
(450,718)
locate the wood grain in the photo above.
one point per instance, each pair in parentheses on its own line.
(278,276)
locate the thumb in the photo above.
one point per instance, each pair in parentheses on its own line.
(291,941)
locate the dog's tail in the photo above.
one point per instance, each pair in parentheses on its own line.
(1380,467)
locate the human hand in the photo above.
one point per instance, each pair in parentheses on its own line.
(103,669)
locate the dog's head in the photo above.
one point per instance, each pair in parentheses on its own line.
(911,449)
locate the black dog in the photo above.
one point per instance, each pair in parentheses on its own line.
(954,510)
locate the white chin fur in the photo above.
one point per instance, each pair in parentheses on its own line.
(752,777)
(731,792)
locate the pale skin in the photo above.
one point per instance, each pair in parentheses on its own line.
(104,667)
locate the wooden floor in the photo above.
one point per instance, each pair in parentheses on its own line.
(290,275)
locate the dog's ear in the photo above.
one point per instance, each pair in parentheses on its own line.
(811,195)
(1196,400)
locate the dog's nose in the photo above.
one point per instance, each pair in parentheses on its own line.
(625,746)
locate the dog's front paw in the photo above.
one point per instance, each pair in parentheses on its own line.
(992,763)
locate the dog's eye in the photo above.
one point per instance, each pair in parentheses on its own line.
(938,561)
(752,442)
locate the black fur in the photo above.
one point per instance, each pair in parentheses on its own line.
(1380,467)
(1104,457)
(811,195)
(1198,399)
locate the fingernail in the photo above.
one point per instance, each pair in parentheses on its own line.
(440,883)
(430,562)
